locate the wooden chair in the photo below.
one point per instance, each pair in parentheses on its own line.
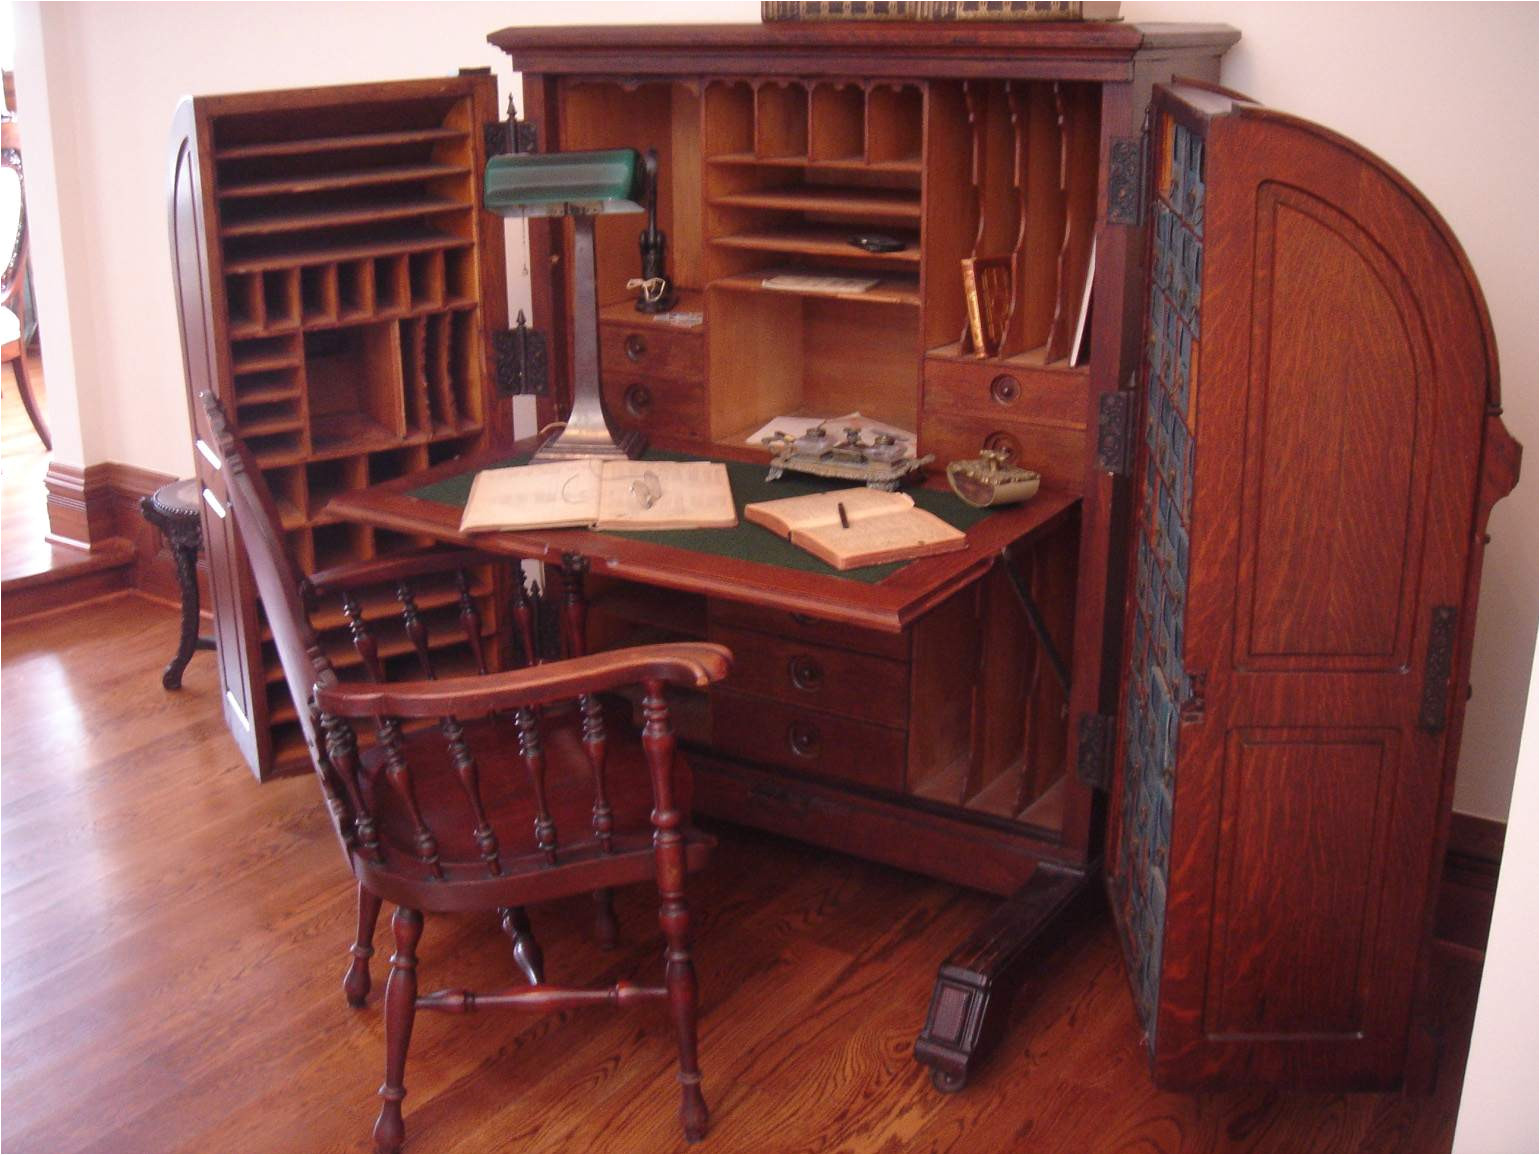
(13,296)
(483,792)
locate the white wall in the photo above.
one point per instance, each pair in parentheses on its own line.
(1497,1105)
(1447,94)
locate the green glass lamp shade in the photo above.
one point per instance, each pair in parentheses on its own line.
(558,184)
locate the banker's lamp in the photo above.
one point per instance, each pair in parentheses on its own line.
(580,185)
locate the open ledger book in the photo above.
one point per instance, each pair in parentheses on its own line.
(877,526)
(635,495)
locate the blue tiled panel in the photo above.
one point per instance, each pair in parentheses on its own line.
(1157,680)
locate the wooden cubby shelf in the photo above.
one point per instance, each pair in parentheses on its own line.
(824,243)
(333,181)
(326,145)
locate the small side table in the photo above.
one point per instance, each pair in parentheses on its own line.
(173,509)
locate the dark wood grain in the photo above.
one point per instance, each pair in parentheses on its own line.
(202,1013)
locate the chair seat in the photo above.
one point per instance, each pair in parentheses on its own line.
(524,873)
(10,326)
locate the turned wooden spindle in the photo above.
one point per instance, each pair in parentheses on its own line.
(400,1010)
(356,983)
(464,762)
(524,618)
(363,639)
(399,775)
(416,628)
(574,569)
(533,757)
(470,619)
(673,914)
(342,754)
(527,955)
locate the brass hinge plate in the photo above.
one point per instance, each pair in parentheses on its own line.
(503,137)
(1093,751)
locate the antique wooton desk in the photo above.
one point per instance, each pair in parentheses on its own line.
(1241,611)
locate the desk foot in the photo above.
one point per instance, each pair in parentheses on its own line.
(976,984)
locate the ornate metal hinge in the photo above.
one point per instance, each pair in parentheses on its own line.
(509,136)
(1125,180)
(1197,697)
(1093,751)
(1114,446)
(1437,669)
(522,362)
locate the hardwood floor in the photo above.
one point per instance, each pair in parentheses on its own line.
(174,940)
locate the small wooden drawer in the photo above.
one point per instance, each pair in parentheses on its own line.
(766,731)
(652,350)
(1004,390)
(654,404)
(840,681)
(807,628)
(1058,453)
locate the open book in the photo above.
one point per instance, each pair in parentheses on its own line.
(876,526)
(603,494)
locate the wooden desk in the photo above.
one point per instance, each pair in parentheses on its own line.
(920,733)
(889,605)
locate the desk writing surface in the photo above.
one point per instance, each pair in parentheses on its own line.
(773,573)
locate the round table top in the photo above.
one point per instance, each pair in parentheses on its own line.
(177,499)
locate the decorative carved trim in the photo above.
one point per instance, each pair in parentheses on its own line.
(1113,413)
(1436,670)
(1093,750)
(522,361)
(1125,181)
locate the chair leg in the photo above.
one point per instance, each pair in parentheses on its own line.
(400,1009)
(527,955)
(186,559)
(29,399)
(679,977)
(356,984)
(606,928)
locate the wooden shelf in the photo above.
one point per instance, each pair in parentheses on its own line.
(826,242)
(408,241)
(852,164)
(327,144)
(327,182)
(262,394)
(877,204)
(332,218)
(889,290)
(1034,359)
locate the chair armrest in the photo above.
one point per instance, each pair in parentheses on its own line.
(692,664)
(407,564)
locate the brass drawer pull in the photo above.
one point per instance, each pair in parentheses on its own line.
(636,346)
(1005,389)
(637,400)
(802,739)
(805,672)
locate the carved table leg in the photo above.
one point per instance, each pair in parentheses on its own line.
(976,984)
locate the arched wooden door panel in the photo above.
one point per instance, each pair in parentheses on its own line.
(1316,391)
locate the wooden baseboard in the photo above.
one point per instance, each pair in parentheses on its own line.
(1469,882)
(96,508)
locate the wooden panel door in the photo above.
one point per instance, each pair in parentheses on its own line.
(1318,371)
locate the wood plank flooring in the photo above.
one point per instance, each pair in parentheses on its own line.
(173,936)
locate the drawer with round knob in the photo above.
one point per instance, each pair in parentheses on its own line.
(821,677)
(654,350)
(781,734)
(655,405)
(1057,452)
(1008,390)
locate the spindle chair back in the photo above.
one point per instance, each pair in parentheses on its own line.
(482,791)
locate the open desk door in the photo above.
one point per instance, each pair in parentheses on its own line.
(1312,486)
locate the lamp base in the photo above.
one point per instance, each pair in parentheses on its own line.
(568,444)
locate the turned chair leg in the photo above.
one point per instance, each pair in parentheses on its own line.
(356,984)
(400,1008)
(29,399)
(606,928)
(679,977)
(527,955)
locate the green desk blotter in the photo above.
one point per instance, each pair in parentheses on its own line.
(747,542)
